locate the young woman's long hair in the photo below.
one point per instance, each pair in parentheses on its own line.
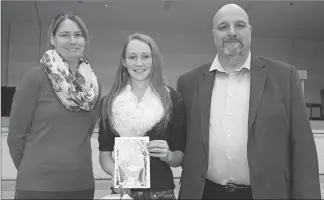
(157,83)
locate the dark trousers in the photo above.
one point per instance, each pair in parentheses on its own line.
(82,194)
(216,191)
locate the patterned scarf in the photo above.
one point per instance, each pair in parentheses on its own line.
(76,92)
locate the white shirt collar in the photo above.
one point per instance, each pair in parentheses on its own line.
(217,66)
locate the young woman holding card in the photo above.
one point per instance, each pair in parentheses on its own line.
(140,103)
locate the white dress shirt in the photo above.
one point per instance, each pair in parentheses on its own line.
(228,129)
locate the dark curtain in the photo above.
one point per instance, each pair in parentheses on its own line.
(6,100)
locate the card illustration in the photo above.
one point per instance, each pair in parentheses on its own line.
(132,162)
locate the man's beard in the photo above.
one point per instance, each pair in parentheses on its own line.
(233,51)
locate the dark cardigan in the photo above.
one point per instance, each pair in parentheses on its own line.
(174,134)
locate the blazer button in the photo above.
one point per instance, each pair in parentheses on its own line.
(203,178)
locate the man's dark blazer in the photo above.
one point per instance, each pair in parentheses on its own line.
(281,151)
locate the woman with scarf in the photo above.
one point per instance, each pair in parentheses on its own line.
(54,112)
(141,103)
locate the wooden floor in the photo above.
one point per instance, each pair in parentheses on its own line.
(102,188)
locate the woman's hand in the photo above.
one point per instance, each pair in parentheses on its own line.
(159,149)
(120,190)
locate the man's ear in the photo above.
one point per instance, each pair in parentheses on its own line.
(250,28)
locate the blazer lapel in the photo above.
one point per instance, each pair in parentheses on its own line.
(258,78)
(205,88)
